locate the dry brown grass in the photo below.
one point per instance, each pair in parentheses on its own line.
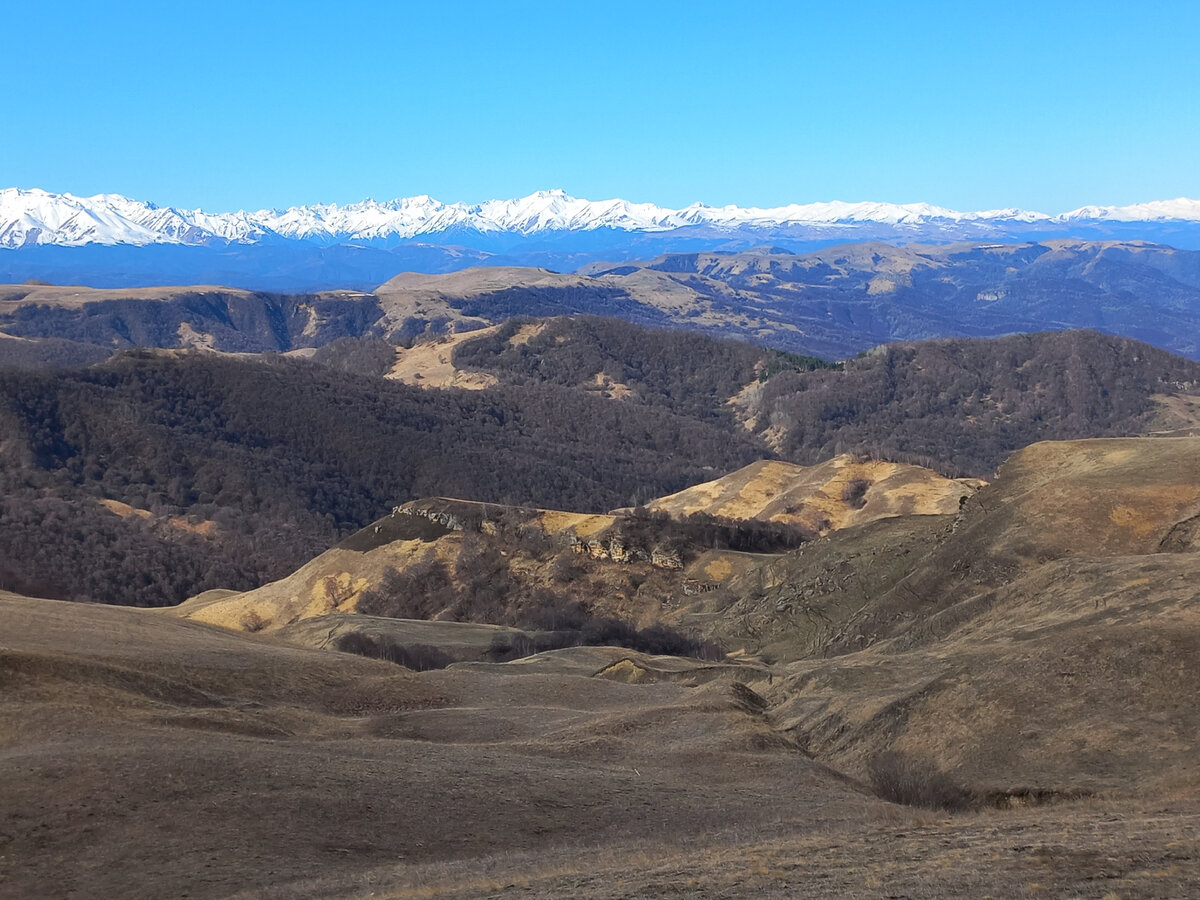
(840,493)
(1127,853)
(142,755)
(146,756)
(430,364)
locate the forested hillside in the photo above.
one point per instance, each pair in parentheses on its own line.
(956,405)
(155,475)
(677,370)
(244,469)
(963,405)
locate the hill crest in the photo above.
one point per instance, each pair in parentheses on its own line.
(841,492)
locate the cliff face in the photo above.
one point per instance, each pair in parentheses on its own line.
(209,318)
(594,536)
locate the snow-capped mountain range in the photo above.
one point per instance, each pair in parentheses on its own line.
(36,217)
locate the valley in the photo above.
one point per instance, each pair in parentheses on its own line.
(238,468)
(1004,693)
(451,590)
(600,451)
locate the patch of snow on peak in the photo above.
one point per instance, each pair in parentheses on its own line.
(1180,209)
(39,217)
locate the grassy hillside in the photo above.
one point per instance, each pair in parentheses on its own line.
(1037,649)
(990,703)
(148,757)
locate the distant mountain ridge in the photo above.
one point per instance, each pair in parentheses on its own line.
(832,303)
(37,217)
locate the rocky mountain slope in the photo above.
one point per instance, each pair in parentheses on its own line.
(539,569)
(460,560)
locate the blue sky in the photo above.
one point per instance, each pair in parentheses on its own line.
(969,105)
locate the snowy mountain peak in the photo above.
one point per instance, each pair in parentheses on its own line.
(1180,209)
(34,216)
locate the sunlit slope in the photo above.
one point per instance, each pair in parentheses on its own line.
(1042,648)
(839,493)
(148,757)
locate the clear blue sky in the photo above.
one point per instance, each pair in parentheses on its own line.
(970,105)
